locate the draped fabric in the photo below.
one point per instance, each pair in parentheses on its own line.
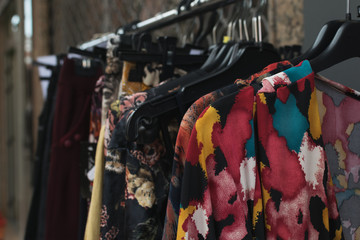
(256,166)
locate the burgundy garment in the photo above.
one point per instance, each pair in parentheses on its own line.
(71,126)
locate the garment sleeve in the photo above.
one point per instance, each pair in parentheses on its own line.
(195,208)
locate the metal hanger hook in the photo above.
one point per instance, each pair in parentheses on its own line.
(348,14)
(262,6)
(247,4)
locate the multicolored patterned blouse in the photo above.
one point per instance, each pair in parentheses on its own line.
(183,137)
(256,168)
(340,123)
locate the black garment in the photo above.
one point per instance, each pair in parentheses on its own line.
(45,173)
(41,162)
(83,213)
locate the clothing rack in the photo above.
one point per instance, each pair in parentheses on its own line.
(165,19)
(96,42)
(172,16)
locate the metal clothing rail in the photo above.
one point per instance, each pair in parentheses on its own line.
(96,42)
(172,16)
(165,19)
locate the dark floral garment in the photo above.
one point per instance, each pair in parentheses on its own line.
(256,168)
(136,178)
(183,137)
(113,212)
(113,75)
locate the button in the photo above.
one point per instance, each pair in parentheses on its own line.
(67,143)
(77,137)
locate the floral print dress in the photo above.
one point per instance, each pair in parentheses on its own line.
(136,178)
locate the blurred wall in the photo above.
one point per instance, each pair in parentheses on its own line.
(15,150)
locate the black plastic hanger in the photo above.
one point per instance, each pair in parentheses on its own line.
(219,57)
(345,45)
(208,29)
(238,48)
(177,60)
(229,54)
(47,66)
(213,52)
(250,59)
(200,30)
(97,53)
(142,43)
(166,54)
(323,40)
(335,37)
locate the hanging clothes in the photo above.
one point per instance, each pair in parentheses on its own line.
(87,147)
(183,137)
(301,189)
(36,219)
(340,131)
(71,126)
(109,92)
(230,173)
(272,156)
(125,181)
(88,154)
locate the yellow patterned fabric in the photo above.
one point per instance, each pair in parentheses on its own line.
(128,87)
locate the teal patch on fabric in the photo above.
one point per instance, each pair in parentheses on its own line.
(290,123)
(250,144)
(336,182)
(342,196)
(297,73)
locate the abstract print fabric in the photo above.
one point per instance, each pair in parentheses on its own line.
(341,134)
(183,137)
(297,191)
(248,176)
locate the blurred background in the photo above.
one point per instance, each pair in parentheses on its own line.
(31,28)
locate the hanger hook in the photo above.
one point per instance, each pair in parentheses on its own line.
(232,19)
(237,21)
(348,14)
(262,5)
(215,28)
(247,4)
(260,19)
